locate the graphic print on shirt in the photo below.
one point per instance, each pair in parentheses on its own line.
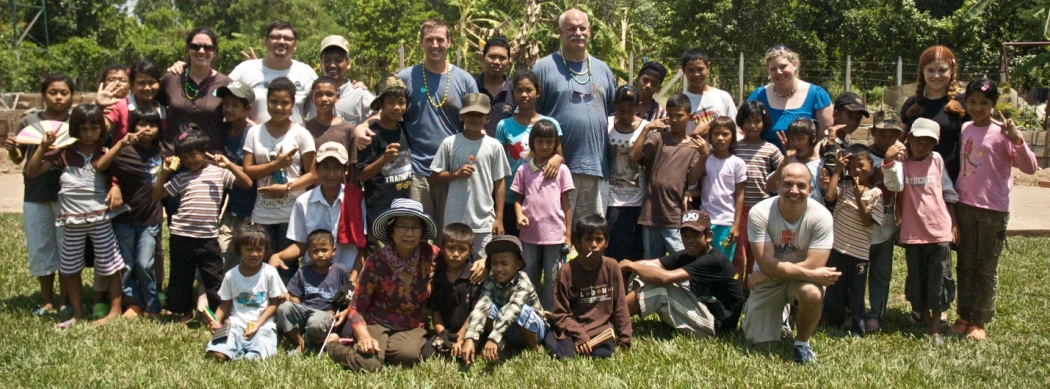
(399,171)
(595,294)
(969,166)
(326,294)
(254,300)
(623,173)
(519,150)
(153,169)
(786,250)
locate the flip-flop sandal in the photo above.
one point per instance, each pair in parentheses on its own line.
(960,327)
(66,324)
(40,312)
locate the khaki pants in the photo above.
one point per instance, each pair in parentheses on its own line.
(395,348)
(432,195)
(589,197)
(764,315)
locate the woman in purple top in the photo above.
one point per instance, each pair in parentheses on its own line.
(190,93)
(789,98)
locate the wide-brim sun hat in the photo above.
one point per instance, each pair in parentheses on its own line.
(383,224)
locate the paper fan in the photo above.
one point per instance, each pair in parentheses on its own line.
(34,133)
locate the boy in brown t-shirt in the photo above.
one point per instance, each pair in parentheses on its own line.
(674,163)
(588,297)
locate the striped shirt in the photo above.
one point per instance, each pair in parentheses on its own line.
(852,237)
(201,193)
(762,160)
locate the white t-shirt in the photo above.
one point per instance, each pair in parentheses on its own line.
(709,105)
(791,241)
(312,212)
(253,73)
(251,295)
(626,177)
(264,147)
(720,180)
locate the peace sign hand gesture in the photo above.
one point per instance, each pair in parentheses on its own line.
(1009,129)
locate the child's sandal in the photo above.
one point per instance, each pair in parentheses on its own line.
(960,327)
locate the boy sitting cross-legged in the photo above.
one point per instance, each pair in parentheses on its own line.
(312,290)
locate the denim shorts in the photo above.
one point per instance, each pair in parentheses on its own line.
(527,319)
(234,346)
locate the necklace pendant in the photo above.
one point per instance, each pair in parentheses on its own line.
(423,90)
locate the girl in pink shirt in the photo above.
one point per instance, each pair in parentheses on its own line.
(542,208)
(927,221)
(985,180)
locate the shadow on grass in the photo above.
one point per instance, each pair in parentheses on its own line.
(654,329)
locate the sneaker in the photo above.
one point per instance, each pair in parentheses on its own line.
(805,355)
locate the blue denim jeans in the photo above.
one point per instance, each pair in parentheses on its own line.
(661,241)
(279,241)
(138,246)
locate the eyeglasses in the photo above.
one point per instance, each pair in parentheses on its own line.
(198,46)
(407,229)
(285,38)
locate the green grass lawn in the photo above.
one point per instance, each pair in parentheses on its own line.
(137,353)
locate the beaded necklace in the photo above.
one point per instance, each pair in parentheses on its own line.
(448,69)
(189,91)
(789,94)
(573,73)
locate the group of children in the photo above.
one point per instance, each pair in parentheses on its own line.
(280,194)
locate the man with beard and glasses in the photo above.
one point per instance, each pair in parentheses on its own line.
(280,40)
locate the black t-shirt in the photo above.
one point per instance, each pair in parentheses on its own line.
(711,276)
(454,300)
(42,188)
(951,128)
(136,169)
(394,181)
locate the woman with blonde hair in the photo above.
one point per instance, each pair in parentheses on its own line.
(789,98)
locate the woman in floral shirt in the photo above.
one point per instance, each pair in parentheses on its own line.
(387,314)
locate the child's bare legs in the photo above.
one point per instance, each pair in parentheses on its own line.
(531,341)
(73,290)
(115,293)
(297,339)
(47,291)
(218,356)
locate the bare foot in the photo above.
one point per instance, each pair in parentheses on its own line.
(66,324)
(106,319)
(976,333)
(202,302)
(132,312)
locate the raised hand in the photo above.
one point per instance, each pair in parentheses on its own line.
(843,161)
(285,159)
(1009,129)
(219,160)
(858,189)
(107,94)
(658,124)
(700,145)
(49,139)
(130,139)
(250,54)
(789,153)
(895,152)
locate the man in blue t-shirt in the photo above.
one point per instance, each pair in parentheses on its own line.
(577,92)
(435,93)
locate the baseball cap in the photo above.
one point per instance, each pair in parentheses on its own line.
(851,102)
(476,102)
(332,150)
(238,89)
(501,243)
(923,127)
(698,221)
(888,120)
(382,87)
(336,41)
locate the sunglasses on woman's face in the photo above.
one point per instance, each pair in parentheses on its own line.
(198,46)
(775,48)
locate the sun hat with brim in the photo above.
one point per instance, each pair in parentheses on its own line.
(381,228)
(382,87)
(923,127)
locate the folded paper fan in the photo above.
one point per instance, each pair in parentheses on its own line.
(34,133)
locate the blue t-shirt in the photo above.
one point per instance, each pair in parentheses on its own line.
(242,201)
(515,137)
(425,125)
(582,110)
(316,290)
(816,99)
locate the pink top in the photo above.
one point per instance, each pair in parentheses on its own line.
(925,189)
(541,203)
(986,178)
(118,117)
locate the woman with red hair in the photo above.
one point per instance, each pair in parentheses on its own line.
(936,98)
